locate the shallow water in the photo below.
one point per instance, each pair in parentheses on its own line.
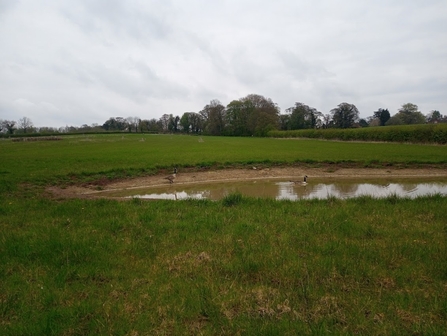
(285,190)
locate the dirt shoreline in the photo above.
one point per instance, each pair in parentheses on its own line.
(252,173)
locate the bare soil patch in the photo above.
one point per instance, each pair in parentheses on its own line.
(252,173)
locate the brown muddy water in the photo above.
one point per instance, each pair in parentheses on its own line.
(286,190)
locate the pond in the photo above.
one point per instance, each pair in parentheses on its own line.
(286,190)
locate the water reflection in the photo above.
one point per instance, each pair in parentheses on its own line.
(284,190)
(323,190)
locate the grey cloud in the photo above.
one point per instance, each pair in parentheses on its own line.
(124,19)
(6,5)
(301,68)
(98,58)
(139,81)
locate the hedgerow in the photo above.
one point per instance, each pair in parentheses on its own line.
(428,133)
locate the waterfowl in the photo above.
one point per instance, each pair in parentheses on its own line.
(171,177)
(304,182)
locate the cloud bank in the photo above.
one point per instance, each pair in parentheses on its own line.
(82,62)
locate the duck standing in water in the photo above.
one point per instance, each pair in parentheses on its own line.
(171,177)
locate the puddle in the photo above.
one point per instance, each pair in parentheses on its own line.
(285,190)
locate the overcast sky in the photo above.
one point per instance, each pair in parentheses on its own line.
(83,61)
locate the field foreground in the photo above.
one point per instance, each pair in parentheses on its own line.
(234,267)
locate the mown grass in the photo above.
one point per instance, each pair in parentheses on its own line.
(112,156)
(238,266)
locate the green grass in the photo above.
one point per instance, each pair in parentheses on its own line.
(258,266)
(238,266)
(125,155)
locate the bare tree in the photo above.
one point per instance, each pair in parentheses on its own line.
(25,124)
(327,119)
(133,123)
(164,121)
(8,126)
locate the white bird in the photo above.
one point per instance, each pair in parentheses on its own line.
(171,177)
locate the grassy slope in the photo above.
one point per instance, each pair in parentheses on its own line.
(80,267)
(105,153)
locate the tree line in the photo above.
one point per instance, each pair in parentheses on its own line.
(253,115)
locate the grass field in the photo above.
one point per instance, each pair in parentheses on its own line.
(113,154)
(238,266)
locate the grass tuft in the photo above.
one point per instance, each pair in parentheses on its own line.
(232,199)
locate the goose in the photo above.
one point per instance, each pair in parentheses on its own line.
(304,182)
(171,177)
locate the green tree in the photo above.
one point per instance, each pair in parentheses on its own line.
(383,115)
(48,130)
(236,117)
(345,115)
(363,123)
(303,116)
(409,114)
(284,122)
(185,122)
(191,122)
(173,123)
(214,118)
(263,114)
(197,123)
(143,125)
(154,125)
(394,121)
(434,117)
(115,124)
